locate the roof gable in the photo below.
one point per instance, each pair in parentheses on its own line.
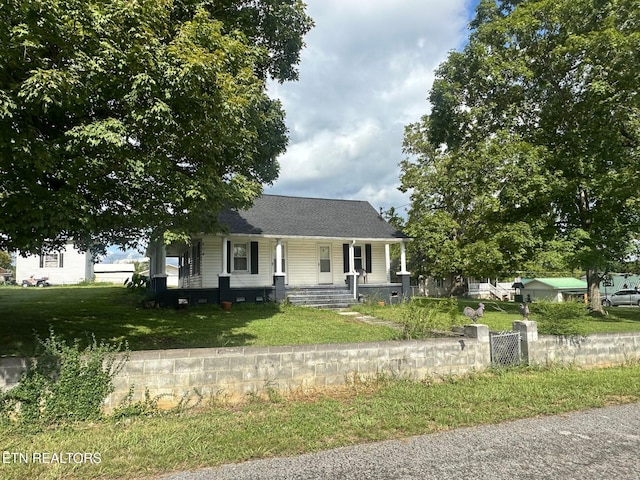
(279,215)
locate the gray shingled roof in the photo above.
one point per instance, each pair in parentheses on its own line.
(309,217)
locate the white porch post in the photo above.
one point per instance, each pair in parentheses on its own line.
(387,261)
(225,258)
(161,260)
(352,267)
(158,260)
(403,258)
(279,257)
(352,256)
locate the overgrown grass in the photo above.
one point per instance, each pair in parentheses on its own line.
(113,315)
(363,411)
(499,316)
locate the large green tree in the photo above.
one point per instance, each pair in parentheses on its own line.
(534,134)
(122,118)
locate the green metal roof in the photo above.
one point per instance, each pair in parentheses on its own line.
(558,283)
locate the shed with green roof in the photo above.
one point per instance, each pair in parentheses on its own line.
(553,289)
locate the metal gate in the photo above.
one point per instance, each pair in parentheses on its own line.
(505,349)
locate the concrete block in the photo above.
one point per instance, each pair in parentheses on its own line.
(229,377)
(133,367)
(527,329)
(186,365)
(216,363)
(314,358)
(242,362)
(168,380)
(324,369)
(152,367)
(478,331)
(268,360)
(202,378)
(300,372)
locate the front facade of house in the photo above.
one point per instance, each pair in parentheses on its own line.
(64,267)
(284,243)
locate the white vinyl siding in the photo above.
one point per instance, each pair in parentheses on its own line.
(211,261)
(76,267)
(378,266)
(302,262)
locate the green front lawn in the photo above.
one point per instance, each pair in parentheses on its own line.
(114,315)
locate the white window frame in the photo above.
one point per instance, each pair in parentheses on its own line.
(51,260)
(247,249)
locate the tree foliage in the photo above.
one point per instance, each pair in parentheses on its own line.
(5,260)
(533,136)
(121,118)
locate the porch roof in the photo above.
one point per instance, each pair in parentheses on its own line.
(277,215)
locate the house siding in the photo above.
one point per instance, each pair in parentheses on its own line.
(303,271)
(76,267)
(211,261)
(248,279)
(301,263)
(378,268)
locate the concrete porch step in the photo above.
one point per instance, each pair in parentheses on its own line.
(321,297)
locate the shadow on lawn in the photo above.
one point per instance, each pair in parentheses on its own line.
(113,315)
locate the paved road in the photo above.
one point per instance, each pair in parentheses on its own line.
(602,444)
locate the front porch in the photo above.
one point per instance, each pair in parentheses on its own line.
(318,296)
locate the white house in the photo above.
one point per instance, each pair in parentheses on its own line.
(66,266)
(283,245)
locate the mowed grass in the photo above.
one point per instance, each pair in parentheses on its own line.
(267,426)
(499,316)
(114,315)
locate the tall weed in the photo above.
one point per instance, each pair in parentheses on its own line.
(63,383)
(566,318)
(425,320)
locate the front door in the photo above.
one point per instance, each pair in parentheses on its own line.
(324,264)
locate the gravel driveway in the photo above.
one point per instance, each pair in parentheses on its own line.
(595,444)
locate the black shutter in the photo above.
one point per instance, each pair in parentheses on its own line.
(41,261)
(367,257)
(254,258)
(345,256)
(229,256)
(61,263)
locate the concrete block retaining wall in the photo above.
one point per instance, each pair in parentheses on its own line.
(598,350)
(174,375)
(231,373)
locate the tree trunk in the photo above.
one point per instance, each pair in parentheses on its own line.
(593,287)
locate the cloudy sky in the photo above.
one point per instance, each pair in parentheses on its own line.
(365,73)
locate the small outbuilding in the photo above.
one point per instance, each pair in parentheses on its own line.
(560,289)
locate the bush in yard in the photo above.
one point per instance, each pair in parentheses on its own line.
(564,318)
(424,320)
(64,383)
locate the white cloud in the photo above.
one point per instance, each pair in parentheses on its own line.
(365,74)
